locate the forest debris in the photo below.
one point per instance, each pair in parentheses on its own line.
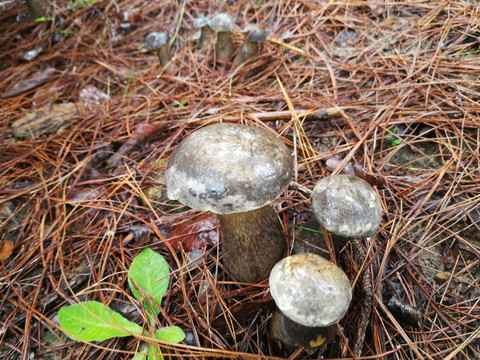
(196,234)
(404,312)
(6,249)
(35,80)
(90,95)
(142,132)
(45,120)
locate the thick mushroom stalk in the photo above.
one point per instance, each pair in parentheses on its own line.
(313,295)
(241,244)
(236,172)
(223,24)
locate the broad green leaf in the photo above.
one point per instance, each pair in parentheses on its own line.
(150,272)
(171,334)
(93,321)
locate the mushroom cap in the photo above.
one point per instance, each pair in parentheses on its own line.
(310,290)
(228,168)
(155,39)
(222,22)
(201,22)
(257,35)
(347,206)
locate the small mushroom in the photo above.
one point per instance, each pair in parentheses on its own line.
(158,41)
(223,24)
(313,295)
(207,34)
(250,47)
(347,206)
(236,172)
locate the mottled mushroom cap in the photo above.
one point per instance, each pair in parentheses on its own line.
(347,206)
(222,22)
(257,35)
(155,39)
(310,290)
(201,22)
(228,168)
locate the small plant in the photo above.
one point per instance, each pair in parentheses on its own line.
(148,278)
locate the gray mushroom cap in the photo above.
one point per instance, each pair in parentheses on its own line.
(347,206)
(257,35)
(228,168)
(310,290)
(155,39)
(222,22)
(201,22)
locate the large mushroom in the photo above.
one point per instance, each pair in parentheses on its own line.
(313,295)
(236,172)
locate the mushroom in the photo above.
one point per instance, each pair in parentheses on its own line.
(250,47)
(312,295)
(207,34)
(158,41)
(223,24)
(236,172)
(347,206)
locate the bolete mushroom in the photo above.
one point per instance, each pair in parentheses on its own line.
(223,24)
(347,206)
(313,295)
(158,41)
(207,34)
(236,172)
(250,47)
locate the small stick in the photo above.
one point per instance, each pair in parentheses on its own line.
(367,303)
(316,114)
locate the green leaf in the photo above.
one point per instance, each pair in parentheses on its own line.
(93,321)
(396,142)
(140,356)
(150,272)
(171,334)
(148,352)
(154,353)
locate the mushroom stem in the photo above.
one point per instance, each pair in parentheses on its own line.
(293,334)
(163,55)
(247,50)
(207,37)
(224,46)
(253,242)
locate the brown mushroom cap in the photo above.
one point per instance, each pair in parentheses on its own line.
(310,290)
(347,206)
(228,168)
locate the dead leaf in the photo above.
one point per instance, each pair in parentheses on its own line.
(45,120)
(195,234)
(35,80)
(142,132)
(6,249)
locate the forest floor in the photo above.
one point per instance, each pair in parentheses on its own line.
(390,91)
